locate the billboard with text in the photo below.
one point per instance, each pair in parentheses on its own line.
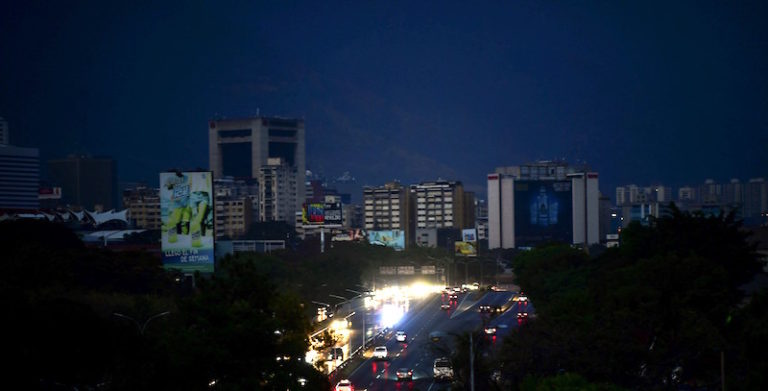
(321,213)
(186,213)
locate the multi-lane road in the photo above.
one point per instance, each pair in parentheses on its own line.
(426,320)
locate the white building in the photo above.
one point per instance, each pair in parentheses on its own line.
(542,202)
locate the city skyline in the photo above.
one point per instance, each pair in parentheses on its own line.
(411,93)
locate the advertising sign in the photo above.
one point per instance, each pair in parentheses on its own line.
(313,213)
(186,212)
(465,249)
(332,213)
(469,235)
(319,213)
(392,238)
(428,269)
(543,212)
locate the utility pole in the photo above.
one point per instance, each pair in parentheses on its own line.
(471,364)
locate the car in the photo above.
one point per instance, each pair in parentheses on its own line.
(404,374)
(400,336)
(454,297)
(445,306)
(380,352)
(521,297)
(344,385)
(442,369)
(485,308)
(490,330)
(522,317)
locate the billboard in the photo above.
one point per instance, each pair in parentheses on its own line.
(319,213)
(392,238)
(543,212)
(465,249)
(186,213)
(312,213)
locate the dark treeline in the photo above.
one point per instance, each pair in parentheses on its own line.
(660,312)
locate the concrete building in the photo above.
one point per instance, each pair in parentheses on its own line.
(19,178)
(633,194)
(387,208)
(229,187)
(687,194)
(756,199)
(442,204)
(143,205)
(710,192)
(5,137)
(233,216)
(248,147)
(278,191)
(87,182)
(540,202)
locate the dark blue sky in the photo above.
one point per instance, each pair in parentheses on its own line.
(671,92)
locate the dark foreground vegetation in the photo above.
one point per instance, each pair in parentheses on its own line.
(663,311)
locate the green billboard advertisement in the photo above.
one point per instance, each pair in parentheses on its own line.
(186,209)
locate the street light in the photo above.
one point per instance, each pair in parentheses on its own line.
(143,326)
(364,312)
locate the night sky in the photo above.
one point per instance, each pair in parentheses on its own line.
(673,92)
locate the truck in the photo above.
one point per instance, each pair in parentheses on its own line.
(442,369)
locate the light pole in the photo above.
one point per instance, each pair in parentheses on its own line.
(143,326)
(364,312)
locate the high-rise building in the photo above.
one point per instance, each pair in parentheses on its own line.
(441,204)
(386,208)
(633,194)
(87,182)
(540,202)
(143,205)
(246,148)
(5,137)
(233,216)
(756,198)
(19,177)
(279,198)
(687,194)
(710,192)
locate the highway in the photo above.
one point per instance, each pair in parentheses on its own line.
(418,353)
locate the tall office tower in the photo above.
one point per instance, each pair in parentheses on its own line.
(661,194)
(622,197)
(241,148)
(733,193)
(87,182)
(386,208)
(143,205)
(710,192)
(4,136)
(540,202)
(19,178)
(441,204)
(687,195)
(278,191)
(756,198)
